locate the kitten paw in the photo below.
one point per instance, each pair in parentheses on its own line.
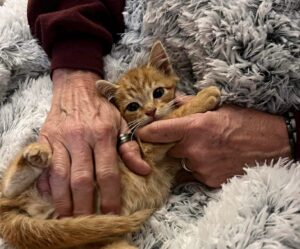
(37,155)
(211,96)
(210,91)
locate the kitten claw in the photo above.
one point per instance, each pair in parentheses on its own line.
(37,155)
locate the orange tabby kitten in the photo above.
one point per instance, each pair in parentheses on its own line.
(142,95)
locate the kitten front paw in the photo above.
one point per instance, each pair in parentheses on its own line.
(37,155)
(212,96)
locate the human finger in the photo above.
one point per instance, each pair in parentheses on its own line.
(131,154)
(82,185)
(164,131)
(107,172)
(59,179)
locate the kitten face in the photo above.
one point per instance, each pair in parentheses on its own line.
(145,94)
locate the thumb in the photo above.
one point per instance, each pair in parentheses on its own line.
(131,154)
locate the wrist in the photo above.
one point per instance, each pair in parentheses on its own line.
(73,89)
(73,78)
(264,135)
(278,138)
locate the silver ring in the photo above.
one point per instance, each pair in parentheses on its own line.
(183,165)
(124,138)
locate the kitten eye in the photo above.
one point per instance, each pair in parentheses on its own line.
(158,92)
(132,107)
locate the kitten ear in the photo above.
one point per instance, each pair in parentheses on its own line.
(106,89)
(159,58)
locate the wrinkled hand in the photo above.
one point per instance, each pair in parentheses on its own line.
(218,144)
(82,128)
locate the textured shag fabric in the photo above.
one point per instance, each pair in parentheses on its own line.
(249,48)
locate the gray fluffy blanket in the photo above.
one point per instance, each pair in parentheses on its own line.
(248,48)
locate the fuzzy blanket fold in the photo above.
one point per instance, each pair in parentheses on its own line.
(248,48)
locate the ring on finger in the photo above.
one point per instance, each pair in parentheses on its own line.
(124,138)
(184,166)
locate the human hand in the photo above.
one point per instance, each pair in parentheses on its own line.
(216,145)
(81,129)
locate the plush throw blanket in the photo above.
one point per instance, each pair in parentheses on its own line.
(248,48)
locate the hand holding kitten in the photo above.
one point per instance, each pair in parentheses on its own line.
(218,144)
(82,131)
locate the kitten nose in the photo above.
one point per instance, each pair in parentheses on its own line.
(151,112)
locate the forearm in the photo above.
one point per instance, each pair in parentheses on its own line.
(76,34)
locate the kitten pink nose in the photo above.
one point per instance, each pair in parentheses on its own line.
(151,112)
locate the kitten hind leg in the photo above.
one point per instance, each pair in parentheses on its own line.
(37,155)
(25,169)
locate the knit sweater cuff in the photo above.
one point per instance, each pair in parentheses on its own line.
(77,53)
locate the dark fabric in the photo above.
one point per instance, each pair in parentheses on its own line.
(76,33)
(297,119)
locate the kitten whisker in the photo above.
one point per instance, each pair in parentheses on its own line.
(171,105)
(133,123)
(138,123)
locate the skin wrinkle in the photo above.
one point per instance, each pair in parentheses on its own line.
(84,121)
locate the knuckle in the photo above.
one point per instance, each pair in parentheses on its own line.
(104,129)
(107,174)
(75,130)
(82,181)
(59,171)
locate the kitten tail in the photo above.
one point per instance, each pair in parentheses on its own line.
(25,232)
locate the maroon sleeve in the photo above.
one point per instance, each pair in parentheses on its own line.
(76,33)
(297,119)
